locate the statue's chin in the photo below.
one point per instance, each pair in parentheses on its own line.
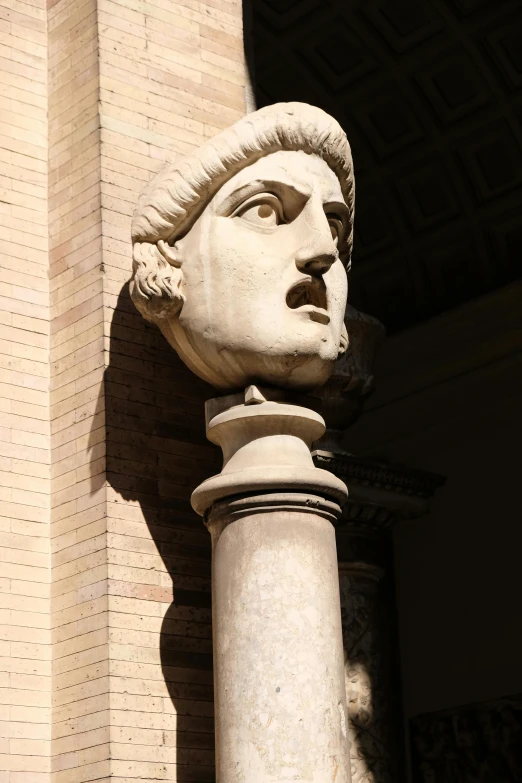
(301,367)
(307,375)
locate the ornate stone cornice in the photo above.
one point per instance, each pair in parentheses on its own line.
(379,494)
(381,474)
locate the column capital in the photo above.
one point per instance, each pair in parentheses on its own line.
(265,435)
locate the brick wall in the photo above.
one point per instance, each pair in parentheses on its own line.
(78,528)
(132,665)
(105,569)
(25,649)
(169,79)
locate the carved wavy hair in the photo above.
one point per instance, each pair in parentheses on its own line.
(175,197)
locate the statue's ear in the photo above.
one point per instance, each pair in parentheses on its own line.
(156,282)
(343,347)
(169,253)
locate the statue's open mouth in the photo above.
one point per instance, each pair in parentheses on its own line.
(308,295)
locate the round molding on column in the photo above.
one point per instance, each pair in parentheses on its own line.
(226,511)
(266,448)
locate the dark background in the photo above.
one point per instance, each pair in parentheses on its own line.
(429,93)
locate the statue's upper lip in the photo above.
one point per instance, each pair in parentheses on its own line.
(308,294)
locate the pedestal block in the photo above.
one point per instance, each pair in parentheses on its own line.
(280,699)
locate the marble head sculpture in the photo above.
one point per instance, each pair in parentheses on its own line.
(241,250)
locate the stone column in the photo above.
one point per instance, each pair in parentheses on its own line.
(368,709)
(278,654)
(380,495)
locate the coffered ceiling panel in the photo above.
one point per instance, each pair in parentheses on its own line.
(430,95)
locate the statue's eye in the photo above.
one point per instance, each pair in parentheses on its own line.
(336,227)
(263,211)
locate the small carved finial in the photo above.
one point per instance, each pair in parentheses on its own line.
(253,396)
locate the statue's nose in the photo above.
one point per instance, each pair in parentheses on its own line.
(319,252)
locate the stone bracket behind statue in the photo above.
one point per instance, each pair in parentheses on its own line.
(265,435)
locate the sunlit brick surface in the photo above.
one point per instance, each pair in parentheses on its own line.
(105,569)
(132,691)
(25,650)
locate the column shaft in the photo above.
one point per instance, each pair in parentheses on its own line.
(280,697)
(279,680)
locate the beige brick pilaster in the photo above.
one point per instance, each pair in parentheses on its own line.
(130,85)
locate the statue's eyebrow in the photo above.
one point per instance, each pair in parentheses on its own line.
(231,201)
(339,207)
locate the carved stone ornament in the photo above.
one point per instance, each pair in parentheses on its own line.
(351,381)
(241,249)
(477,742)
(369,712)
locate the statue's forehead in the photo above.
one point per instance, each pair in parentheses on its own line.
(301,171)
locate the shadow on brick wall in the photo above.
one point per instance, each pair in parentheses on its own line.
(157,453)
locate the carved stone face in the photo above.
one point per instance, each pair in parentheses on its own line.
(263,284)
